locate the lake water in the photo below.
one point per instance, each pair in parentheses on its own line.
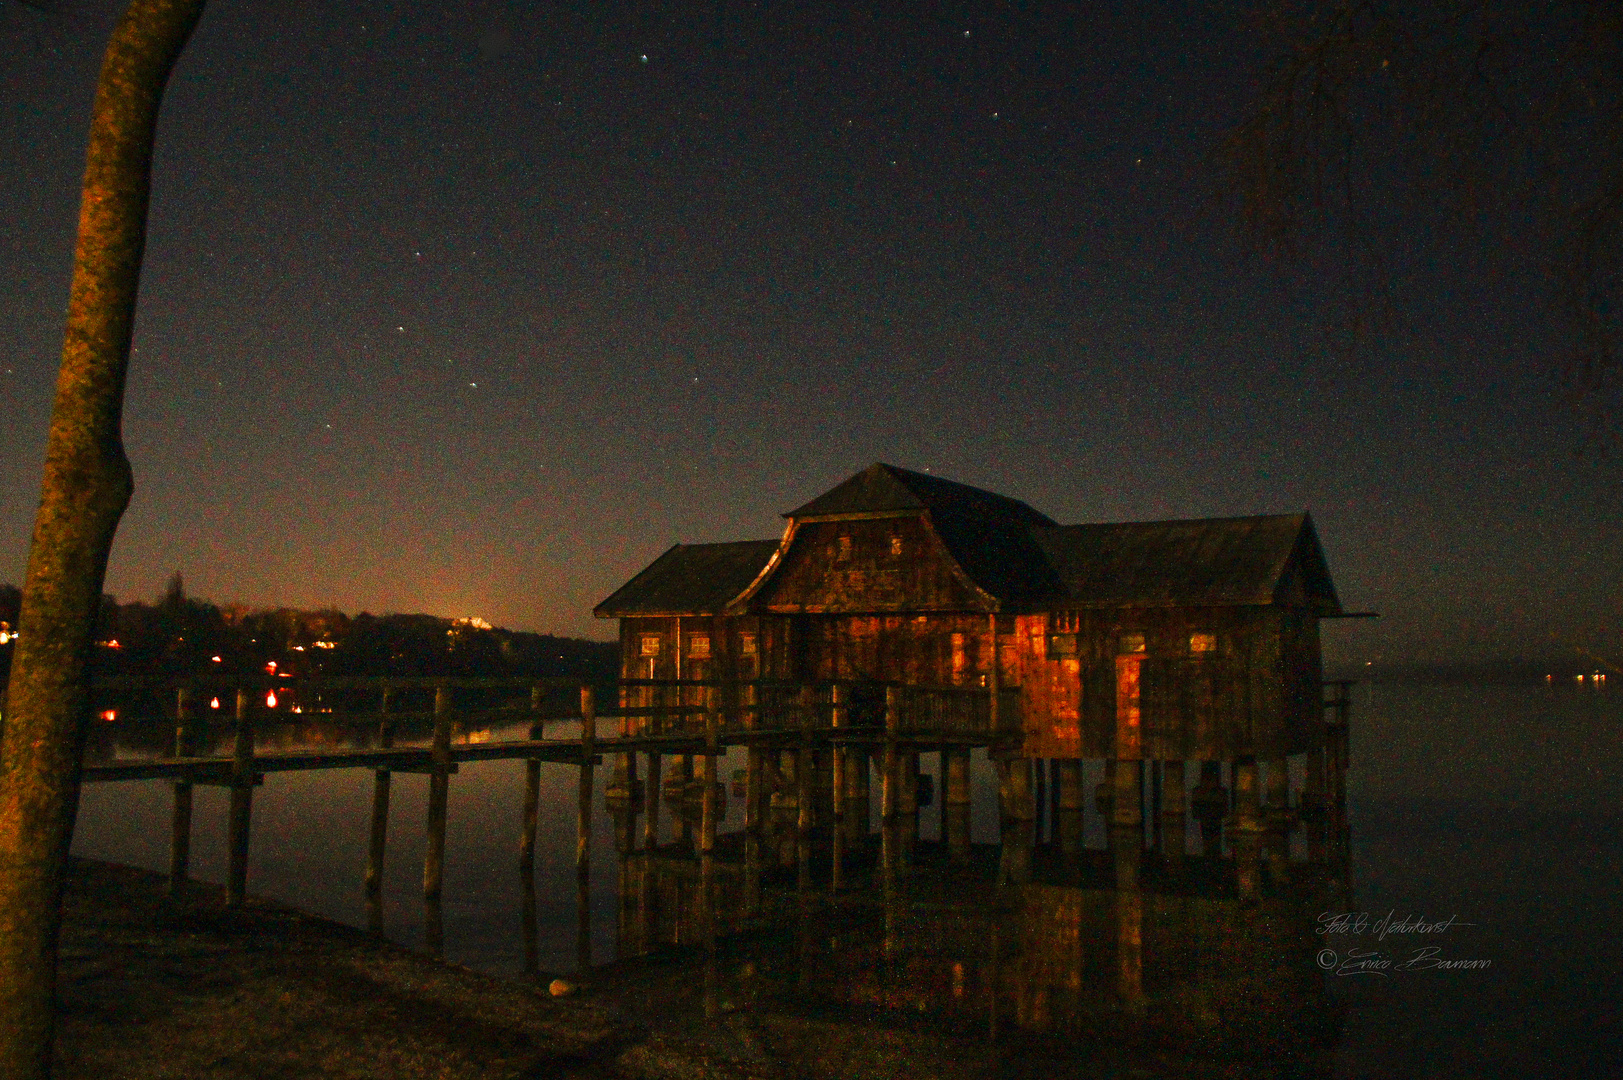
(1492,810)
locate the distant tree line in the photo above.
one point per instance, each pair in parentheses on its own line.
(179,637)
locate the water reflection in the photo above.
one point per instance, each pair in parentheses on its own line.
(1026,939)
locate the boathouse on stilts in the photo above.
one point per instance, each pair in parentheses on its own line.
(923,615)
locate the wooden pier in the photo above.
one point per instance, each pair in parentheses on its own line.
(811,749)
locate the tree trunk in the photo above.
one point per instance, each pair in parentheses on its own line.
(87,486)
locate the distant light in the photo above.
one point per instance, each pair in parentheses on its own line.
(214,703)
(109,715)
(270,700)
(298,648)
(216,659)
(645,58)
(271,667)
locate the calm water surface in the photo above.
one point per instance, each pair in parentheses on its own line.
(1493,807)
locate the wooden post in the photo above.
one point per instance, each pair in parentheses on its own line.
(1209,803)
(1173,827)
(955,803)
(1154,767)
(890,786)
(583,833)
(1068,813)
(242,804)
(838,718)
(380,820)
(439,789)
(1247,804)
(532,799)
(1015,790)
(1039,776)
(1277,818)
(889,782)
(803,792)
(1126,804)
(837,722)
(650,796)
(707,851)
(180,841)
(588,750)
(707,776)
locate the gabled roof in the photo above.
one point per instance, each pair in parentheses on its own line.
(1216,561)
(690,579)
(885,489)
(989,535)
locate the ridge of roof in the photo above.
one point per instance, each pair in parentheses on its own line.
(885,488)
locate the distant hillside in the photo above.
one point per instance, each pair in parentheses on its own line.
(1496,672)
(180,636)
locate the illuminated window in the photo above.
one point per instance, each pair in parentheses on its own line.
(1202,643)
(699,646)
(650,644)
(746,644)
(896,545)
(1132,643)
(844,551)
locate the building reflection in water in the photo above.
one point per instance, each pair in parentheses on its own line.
(1200,933)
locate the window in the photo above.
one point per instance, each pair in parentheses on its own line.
(844,550)
(699,646)
(1202,643)
(650,644)
(1132,643)
(896,545)
(1062,645)
(746,644)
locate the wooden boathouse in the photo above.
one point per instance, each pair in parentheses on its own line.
(1162,641)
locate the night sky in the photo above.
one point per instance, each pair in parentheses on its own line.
(475,310)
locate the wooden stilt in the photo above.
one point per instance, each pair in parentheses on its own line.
(588,750)
(804,764)
(651,792)
(1126,806)
(890,783)
(439,788)
(532,816)
(838,784)
(956,803)
(1174,836)
(1155,804)
(583,832)
(180,839)
(242,804)
(1068,813)
(1039,788)
(380,822)
(532,796)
